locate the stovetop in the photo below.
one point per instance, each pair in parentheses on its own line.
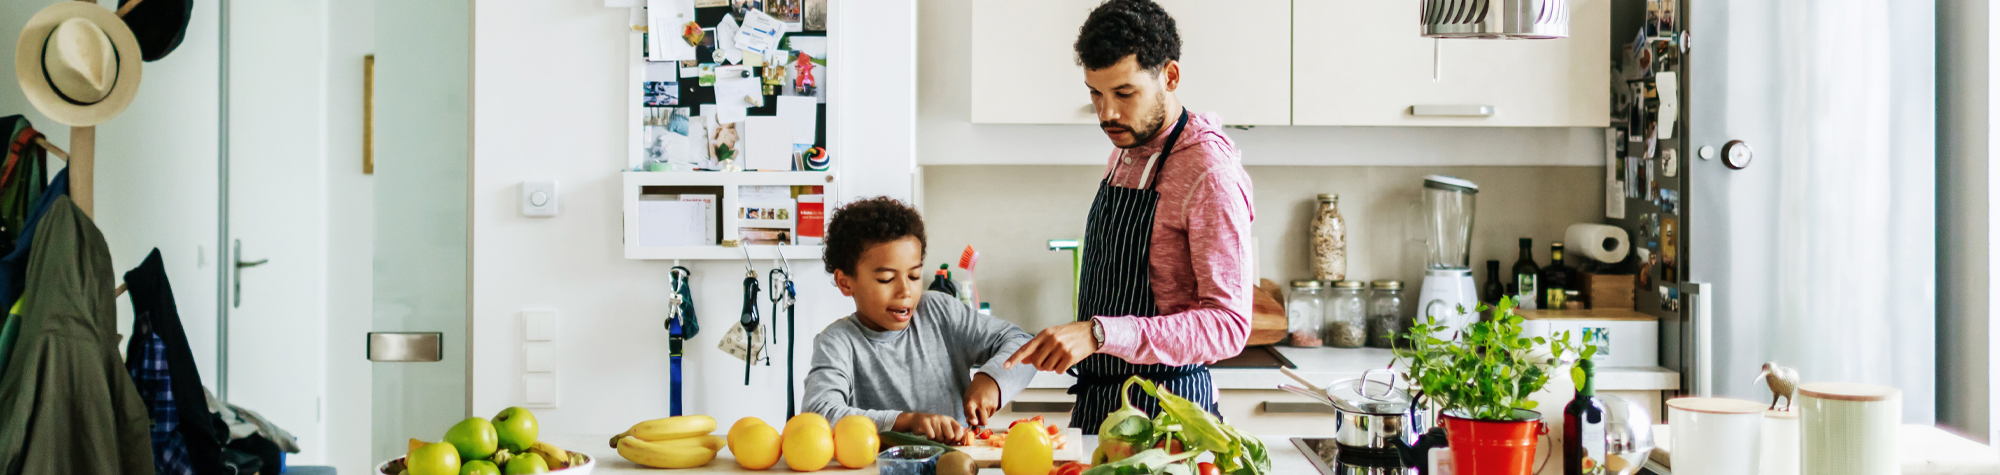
(1331,459)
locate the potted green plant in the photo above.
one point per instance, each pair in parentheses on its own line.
(1480,377)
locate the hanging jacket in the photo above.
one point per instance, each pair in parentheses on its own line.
(14,265)
(66,403)
(185,439)
(23,174)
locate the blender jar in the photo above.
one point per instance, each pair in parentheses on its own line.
(1447,214)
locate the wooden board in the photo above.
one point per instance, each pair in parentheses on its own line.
(1267,315)
(989,457)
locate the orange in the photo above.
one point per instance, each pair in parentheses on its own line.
(808,447)
(755,446)
(746,423)
(855,441)
(807,418)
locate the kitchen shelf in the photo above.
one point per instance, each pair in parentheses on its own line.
(1591,314)
(726,186)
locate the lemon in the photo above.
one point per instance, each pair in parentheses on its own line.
(755,446)
(855,441)
(1027,451)
(807,418)
(808,447)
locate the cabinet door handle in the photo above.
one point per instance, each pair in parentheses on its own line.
(1275,407)
(1452,110)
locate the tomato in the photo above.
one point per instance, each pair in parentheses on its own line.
(1206,468)
(1053,430)
(1071,468)
(1172,445)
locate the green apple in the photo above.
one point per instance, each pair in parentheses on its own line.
(435,459)
(474,437)
(479,467)
(525,464)
(517,428)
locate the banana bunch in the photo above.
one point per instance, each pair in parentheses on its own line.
(556,457)
(674,442)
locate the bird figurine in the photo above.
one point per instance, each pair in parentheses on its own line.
(1784,382)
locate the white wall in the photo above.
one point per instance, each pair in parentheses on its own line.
(949,138)
(548,101)
(350,244)
(1966,219)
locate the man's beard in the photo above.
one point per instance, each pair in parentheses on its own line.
(1153,125)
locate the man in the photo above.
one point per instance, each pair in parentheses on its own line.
(1165,286)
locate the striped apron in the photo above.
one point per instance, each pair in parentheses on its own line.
(1116,281)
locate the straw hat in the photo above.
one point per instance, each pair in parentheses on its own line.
(78,63)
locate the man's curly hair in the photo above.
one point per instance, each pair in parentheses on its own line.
(865,223)
(1120,28)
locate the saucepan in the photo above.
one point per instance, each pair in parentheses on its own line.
(1373,415)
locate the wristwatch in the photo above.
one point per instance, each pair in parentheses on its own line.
(1097,332)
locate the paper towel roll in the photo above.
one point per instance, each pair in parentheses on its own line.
(1599,242)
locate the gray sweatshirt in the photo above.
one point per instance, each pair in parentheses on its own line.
(924,367)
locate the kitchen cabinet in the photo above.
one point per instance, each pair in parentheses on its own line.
(1233,57)
(1365,62)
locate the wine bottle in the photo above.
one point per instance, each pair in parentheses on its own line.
(1526,273)
(1555,279)
(1583,426)
(1491,292)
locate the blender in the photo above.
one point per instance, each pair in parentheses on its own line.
(1447,206)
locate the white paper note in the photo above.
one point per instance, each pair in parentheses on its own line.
(760,32)
(664,19)
(735,88)
(725,40)
(767,143)
(802,113)
(670,223)
(1614,184)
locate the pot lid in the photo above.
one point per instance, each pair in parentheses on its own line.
(1365,396)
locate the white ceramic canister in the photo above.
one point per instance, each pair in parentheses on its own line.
(1848,428)
(1781,444)
(1715,436)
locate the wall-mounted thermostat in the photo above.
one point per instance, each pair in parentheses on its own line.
(538,198)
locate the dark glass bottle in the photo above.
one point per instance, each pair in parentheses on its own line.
(1526,274)
(1555,279)
(1583,427)
(1491,292)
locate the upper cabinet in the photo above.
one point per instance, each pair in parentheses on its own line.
(1366,62)
(1303,62)
(1233,57)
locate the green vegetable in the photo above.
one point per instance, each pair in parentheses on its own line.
(1148,462)
(1235,453)
(1485,371)
(1125,432)
(892,438)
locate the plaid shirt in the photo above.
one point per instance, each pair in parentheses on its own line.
(170,455)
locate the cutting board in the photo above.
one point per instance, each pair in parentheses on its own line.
(1267,315)
(989,457)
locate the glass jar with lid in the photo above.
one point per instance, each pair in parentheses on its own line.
(1304,311)
(1385,313)
(1346,315)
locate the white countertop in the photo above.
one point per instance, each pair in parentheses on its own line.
(1326,365)
(1923,450)
(1285,459)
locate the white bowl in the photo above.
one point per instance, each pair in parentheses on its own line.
(588,464)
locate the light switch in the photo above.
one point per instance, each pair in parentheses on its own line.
(541,391)
(541,357)
(538,198)
(540,324)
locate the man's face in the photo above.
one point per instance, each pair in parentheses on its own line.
(1131,102)
(887,285)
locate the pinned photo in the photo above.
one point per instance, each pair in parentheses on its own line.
(662,93)
(815,15)
(790,12)
(1670,201)
(741,8)
(707,75)
(1670,299)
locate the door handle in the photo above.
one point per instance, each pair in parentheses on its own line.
(405,347)
(237,276)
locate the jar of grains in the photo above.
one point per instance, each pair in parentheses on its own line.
(1329,240)
(1304,311)
(1346,316)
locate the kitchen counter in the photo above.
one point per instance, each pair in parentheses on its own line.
(1285,459)
(1922,449)
(1326,365)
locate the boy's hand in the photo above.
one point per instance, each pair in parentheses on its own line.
(981,399)
(942,429)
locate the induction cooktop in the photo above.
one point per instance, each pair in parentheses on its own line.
(1328,457)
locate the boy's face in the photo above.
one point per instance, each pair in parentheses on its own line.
(888,284)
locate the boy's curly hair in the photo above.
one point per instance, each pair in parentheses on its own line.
(862,224)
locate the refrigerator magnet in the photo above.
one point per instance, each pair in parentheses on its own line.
(1670,162)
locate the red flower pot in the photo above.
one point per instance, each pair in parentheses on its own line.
(1481,447)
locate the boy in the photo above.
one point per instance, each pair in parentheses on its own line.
(905,357)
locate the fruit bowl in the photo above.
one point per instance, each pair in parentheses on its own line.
(588,464)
